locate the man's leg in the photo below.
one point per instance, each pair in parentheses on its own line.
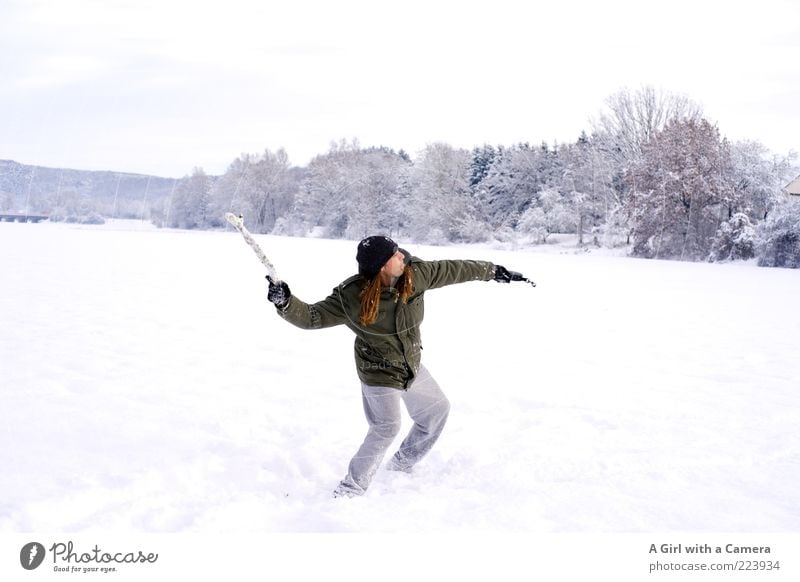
(428,407)
(382,409)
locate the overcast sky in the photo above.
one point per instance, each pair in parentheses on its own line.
(163,86)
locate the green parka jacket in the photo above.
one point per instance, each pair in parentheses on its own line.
(387,352)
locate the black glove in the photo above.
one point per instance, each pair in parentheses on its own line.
(503,275)
(278,293)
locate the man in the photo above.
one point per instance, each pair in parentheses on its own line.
(384,306)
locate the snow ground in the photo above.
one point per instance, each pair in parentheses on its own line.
(148,386)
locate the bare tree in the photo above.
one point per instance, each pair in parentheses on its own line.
(629,121)
(632,118)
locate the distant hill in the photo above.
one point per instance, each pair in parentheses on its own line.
(39,189)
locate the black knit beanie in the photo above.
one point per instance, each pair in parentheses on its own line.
(373,252)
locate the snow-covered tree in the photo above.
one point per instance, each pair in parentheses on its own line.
(779,237)
(735,239)
(261,187)
(443,206)
(6,201)
(630,120)
(190,201)
(378,201)
(224,191)
(321,204)
(482,159)
(266,192)
(514,180)
(551,214)
(70,206)
(353,192)
(586,184)
(758,177)
(682,188)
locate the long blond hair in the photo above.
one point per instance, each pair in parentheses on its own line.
(371,294)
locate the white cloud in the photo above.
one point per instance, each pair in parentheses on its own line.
(51,71)
(214,79)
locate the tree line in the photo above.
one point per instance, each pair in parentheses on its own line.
(653,174)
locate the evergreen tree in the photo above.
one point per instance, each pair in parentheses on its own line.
(735,240)
(779,237)
(482,159)
(514,181)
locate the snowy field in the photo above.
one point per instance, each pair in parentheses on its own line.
(148,386)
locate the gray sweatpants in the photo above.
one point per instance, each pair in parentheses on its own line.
(428,407)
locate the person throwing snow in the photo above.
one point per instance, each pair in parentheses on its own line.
(384,306)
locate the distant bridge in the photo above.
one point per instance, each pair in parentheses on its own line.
(22,217)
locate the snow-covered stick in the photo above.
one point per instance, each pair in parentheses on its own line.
(238,224)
